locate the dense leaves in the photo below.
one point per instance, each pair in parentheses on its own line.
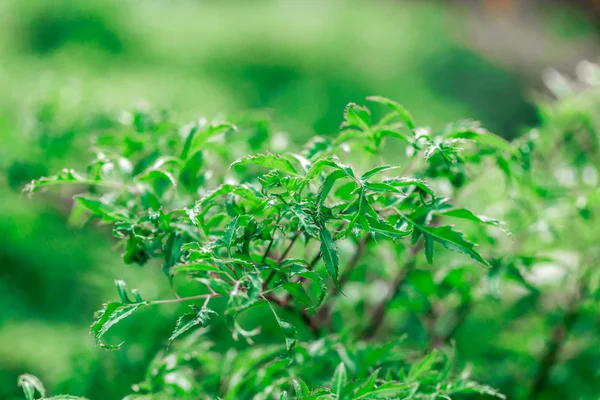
(286,232)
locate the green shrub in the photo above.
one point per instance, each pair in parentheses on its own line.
(339,274)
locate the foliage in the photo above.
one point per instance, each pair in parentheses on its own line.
(311,236)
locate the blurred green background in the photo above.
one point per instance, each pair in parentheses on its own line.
(68,67)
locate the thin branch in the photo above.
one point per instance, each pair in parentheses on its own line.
(556,343)
(438,339)
(183,299)
(380,309)
(324,313)
(283,257)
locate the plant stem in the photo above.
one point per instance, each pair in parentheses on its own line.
(324,313)
(283,257)
(380,309)
(556,343)
(182,299)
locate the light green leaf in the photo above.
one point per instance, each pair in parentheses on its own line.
(198,317)
(269,160)
(339,380)
(103,210)
(408,181)
(355,115)
(193,267)
(398,108)
(331,162)
(108,317)
(387,391)
(30,385)
(305,220)
(377,170)
(450,239)
(300,388)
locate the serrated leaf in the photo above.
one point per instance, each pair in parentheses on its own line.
(101,209)
(398,108)
(483,137)
(288,331)
(108,317)
(328,185)
(377,170)
(269,160)
(154,175)
(383,228)
(369,385)
(198,136)
(297,291)
(329,254)
(230,233)
(300,388)
(198,317)
(65,177)
(193,267)
(387,391)
(355,115)
(450,239)
(408,181)
(463,213)
(306,222)
(30,385)
(331,162)
(339,380)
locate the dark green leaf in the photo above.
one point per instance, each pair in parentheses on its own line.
(330,254)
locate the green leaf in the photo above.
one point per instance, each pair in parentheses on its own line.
(155,176)
(339,380)
(481,136)
(398,108)
(387,391)
(103,210)
(30,385)
(330,255)
(355,115)
(300,388)
(369,385)
(198,317)
(383,228)
(198,136)
(193,267)
(188,176)
(65,177)
(269,160)
(328,185)
(231,233)
(463,213)
(305,220)
(288,331)
(331,162)
(377,170)
(408,181)
(450,239)
(109,316)
(297,291)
